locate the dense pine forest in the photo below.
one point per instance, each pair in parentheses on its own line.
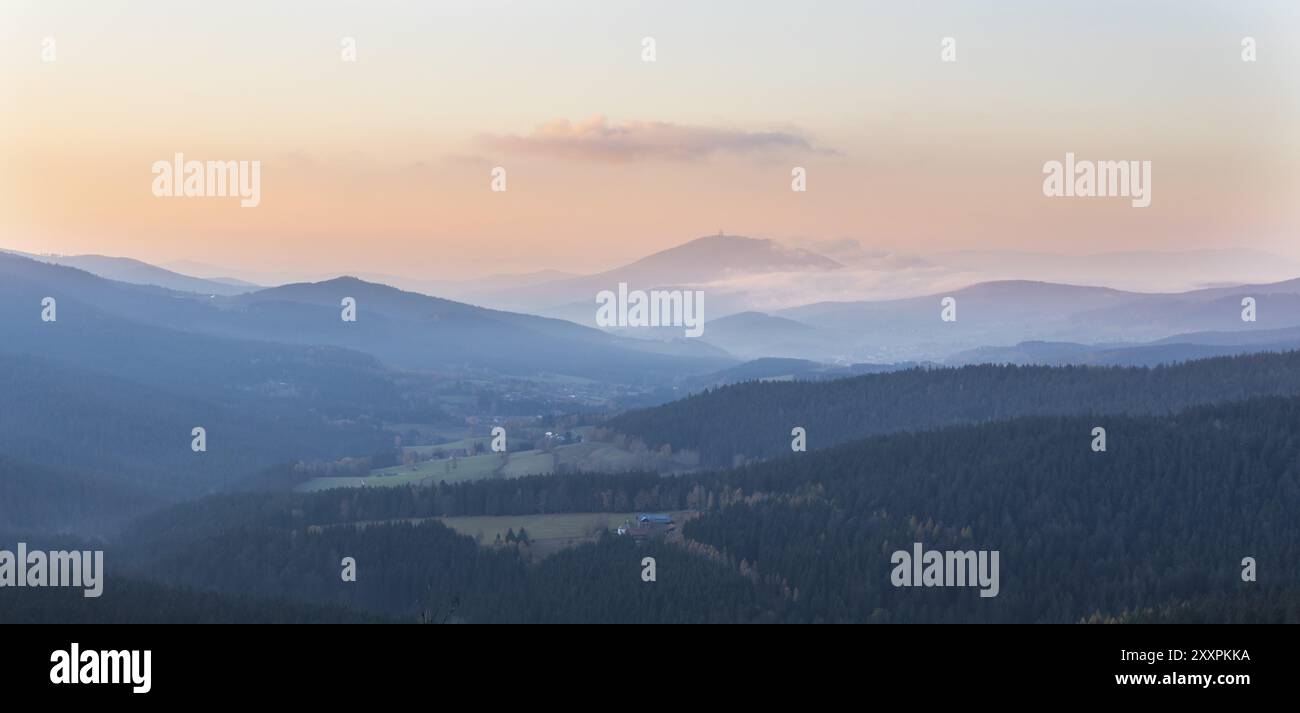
(753,420)
(1153,529)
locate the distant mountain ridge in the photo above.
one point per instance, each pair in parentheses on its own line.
(711,256)
(991,316)
(136,272)
(1170,350)
(692,264)
(1015,311)
(1134,270)
(104,396)
(404,329)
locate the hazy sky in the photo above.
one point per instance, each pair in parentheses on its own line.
(383,165)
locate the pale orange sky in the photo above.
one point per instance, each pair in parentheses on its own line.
(382,165)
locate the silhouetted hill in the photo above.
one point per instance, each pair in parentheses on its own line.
(136,272)
(700,261)
(1016,311)
(414,331)
(1170,350)
(753,420)
(405,329)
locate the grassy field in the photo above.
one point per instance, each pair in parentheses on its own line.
(548,533)
(488,465)
(602,457)
(589,456)
(465,443)
(529,463)
(552,526)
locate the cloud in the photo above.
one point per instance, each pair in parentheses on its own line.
(774,291)
(596,139)
(851,251)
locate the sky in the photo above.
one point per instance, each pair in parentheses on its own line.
(383,165)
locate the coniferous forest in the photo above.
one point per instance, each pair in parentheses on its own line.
(1154,528)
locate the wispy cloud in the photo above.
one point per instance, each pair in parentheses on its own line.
(597,139)
(883,281)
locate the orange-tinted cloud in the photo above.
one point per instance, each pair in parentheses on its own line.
(597,139)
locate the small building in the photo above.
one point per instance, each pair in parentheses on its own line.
(641,534)
(647,527)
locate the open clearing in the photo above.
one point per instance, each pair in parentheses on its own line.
(588,456)
(548,533)
(488,465)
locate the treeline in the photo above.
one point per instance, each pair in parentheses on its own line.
(133,601)
(1245,605)
(735,424)
(426,573)
(400,568)
(52,500)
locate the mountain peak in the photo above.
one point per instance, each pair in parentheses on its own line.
(707,255)
(722,238)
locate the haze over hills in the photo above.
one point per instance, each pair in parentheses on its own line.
(1005,313)
(107,392)
(403,329)
(94,432)
(1145,271)
(754,335)
(697,264)
(125,269)
(735,273)
(746,274)
(1170,350)
(415,331)
(713,256)
(990,315)
(104,395)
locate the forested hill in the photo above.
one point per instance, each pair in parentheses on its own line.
(1167,512)
(754,420)
(1163,517)
(136,601)
(38,499)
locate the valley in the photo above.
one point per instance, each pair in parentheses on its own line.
(481,462)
